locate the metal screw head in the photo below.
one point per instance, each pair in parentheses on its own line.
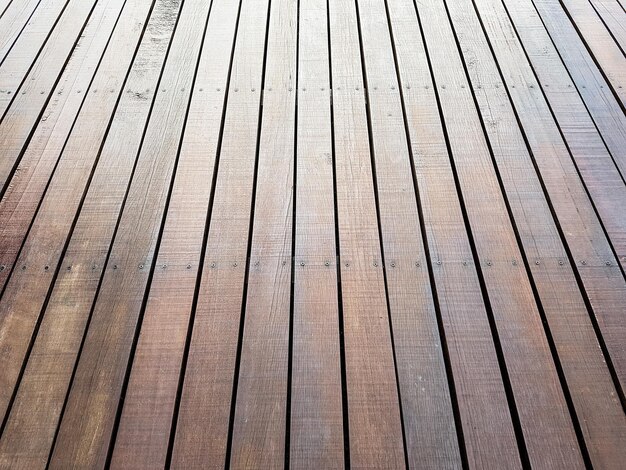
(347,265)
(188,266)
(141,266)
(212,265)
(234,265)
(438,262)
(561,263)
(464,263)
(375,264)
(164,266)
(69,268)
(2,268)
(537,263)
(584,262)
(115,266)
(301,263)
(608,263)
(393,265)
(488,263)
(46,267)
(417,264)
(326,263)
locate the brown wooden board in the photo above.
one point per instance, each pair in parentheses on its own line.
(427,409)
(593,256)
(27,289)
(587,377)
(49,369)
(89,419)
(606,52)
(144,431)
(374,417)
(564,65)
(487,430)
(202,431)
(31,87)
(544,417)
(19,58)
(316,424)
(41,148)
(260,418)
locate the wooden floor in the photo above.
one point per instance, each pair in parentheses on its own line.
(313,234)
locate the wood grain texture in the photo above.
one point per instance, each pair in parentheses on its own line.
(41,147)
(376,436)
(144,431)
(608,55)
(27,289)
(546,424)
(479,387)
(316,426)
(92,404)
(202,431)
(26,88)
(561,62)
(588,379)
(259,429)
(13,21)
(427,408)
(596,263)
(612,15)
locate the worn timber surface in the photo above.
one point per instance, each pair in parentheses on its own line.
(312,234)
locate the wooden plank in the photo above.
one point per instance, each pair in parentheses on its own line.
(487,430)
(20,114)
(259,423)
(555,62)
(48,372)
(595,261)
(588,379)
(19,58)
(614,18)
(4,5)
(375,423)
(205,405)
(599,42)
(544,417)
(316,427)
(26,291)
(429,424)
(89,419)
(12,22)
(42,149)
(144,431)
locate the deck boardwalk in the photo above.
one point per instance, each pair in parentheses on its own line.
(321,234)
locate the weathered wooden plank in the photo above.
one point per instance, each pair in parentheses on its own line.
(88,422)
(614,18)
(588,379)
(487,430)
(144,431)
(375,424)
(555,62)
(43,147)
(316,389)
(49,369)
(25,293)
(608,55)
(18,59)
(595,262)
(543,413)
(12,22)
(259,422)
(203,422)
(429,424)
(31,88)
